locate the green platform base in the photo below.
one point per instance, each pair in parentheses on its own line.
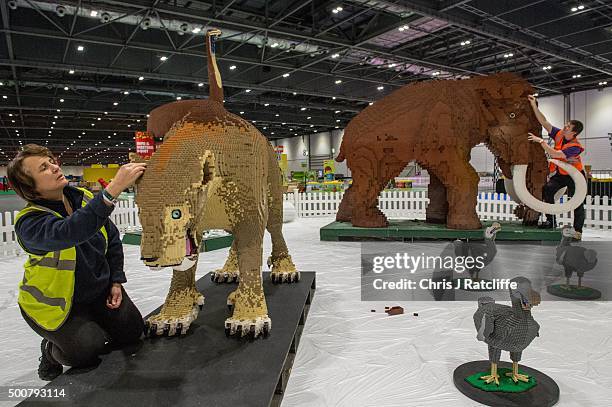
(574,292)
(208,244)
(406,230)
(506,384)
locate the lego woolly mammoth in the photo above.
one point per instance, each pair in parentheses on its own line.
(436,123)
(214,170)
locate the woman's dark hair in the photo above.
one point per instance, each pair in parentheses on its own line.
(19,179)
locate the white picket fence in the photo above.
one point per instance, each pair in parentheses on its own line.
(394,204)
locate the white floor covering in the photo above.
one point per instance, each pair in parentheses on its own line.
(349,356)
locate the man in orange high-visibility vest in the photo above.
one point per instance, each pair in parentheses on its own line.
(566,148)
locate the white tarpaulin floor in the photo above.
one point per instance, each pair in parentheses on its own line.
(349,356)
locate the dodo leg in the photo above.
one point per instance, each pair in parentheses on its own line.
(250,314)
(494,355)
(515,375)
(229,273)
(181,307)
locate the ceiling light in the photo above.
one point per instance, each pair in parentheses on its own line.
(200,84)
(115,103)
(232,67)
(55,117)
(61,100)
(93,13)
(276,115)
(93,124)
(335,55)
(294,93)
(576,76)
(302,109)
(141,78)
(436,73)
(403,28)
(247,90)
(333,98)
(71,71)
(338,81)
(265,128)
(163,58)
(581,7)
(380,88)
(603,83)
(508,55)
(266,104)
(52,122)
(274,45)
(546,68)
(337,120)
(467,42)
(83,133)
(196,30)
(371,103)
(58,110)
(241,112)
(178,98)
(65,87)
(80,48)
(312,125)
(285,75)
(309,117)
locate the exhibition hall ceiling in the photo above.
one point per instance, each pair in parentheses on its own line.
(80,75)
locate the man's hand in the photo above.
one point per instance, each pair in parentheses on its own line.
(534,138)
(113,301)
(532,99)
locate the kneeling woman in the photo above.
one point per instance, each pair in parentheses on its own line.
(71,293)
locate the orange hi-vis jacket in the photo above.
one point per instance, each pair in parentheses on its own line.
(559,146)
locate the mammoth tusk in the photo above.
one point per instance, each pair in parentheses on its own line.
(509,184)
(519,173)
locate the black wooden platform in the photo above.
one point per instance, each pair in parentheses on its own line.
(204,367)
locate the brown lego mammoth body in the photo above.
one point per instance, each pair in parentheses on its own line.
(436,124)
(214,170)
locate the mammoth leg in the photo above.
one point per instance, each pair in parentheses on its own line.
(437,209)
(369,178)
(345,210)
(462,192)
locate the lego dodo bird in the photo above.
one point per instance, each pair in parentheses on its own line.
(507,328)
(574,258)
(486,251)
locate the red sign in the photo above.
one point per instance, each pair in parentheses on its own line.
(145,144)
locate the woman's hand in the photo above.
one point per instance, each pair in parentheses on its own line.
(535,139)
(113,301)
(126,176)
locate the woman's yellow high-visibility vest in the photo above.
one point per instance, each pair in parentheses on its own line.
(45,293)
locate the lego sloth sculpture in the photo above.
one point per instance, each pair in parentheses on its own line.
(214,170)
(437,123)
